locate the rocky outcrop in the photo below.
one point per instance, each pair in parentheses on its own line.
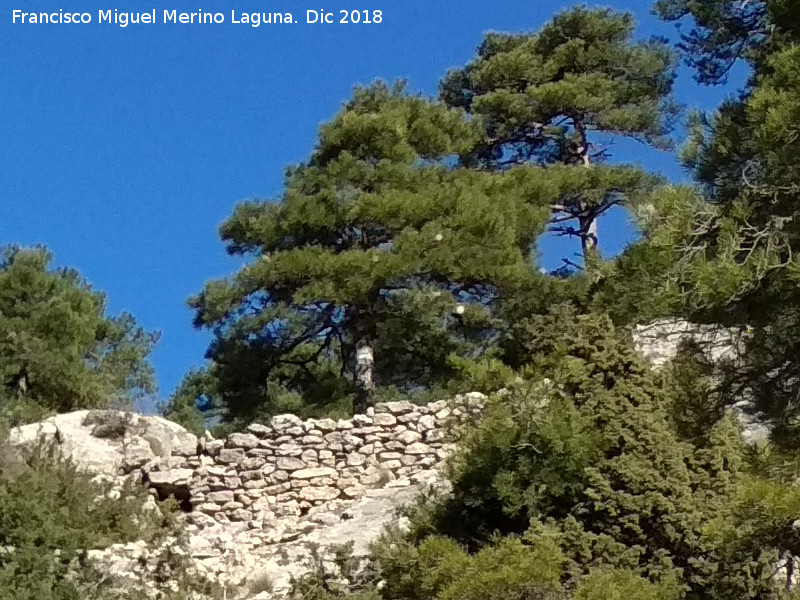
(660,340)
(112,443)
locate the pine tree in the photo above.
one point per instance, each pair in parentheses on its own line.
(720,33)
(556,96)
(737,239)
(194,404)
(379,235)
(59,351)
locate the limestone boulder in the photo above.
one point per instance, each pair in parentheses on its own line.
(108,442)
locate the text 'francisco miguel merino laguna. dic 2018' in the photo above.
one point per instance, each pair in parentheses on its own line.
(171,16)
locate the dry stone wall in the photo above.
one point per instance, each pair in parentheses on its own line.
(291,467)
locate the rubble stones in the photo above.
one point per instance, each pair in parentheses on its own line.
(242,440)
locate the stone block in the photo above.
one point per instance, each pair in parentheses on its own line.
(220,497)
(426,423)
(409,437)
(326,425)
(314,472)
(289,463)
(309,455)
(232,482)
(317,494)
(412,417)
(419,448)
(384,456)
(362,420)
(255,484)
(356,460)
(396,408)
(231,456)
(241,514)
(384,419)
(251,463)
(289,449)
(283,422)
(250,475)
(259,429)
(242,440)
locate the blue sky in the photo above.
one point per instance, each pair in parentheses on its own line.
(123,149)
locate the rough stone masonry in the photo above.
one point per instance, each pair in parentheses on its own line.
(290,467)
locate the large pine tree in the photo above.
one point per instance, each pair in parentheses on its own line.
(559,96)
(384,260)
(382,256)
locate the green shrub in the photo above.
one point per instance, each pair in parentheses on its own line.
(51,514)
(47,502)
(509,570)
(638,487)
(624,585)
(418,571)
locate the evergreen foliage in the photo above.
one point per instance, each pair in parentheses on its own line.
(735,240)
(59,351)
(558,96)
(194,404)
(393,242)
(603,462)
(379,233)
(720,33)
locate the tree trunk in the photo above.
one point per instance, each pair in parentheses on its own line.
(364,375)
(587,222)
(588,228)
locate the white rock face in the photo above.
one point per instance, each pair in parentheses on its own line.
(660,341)
(111,443)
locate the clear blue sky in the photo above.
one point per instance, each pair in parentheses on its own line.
(124,149)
